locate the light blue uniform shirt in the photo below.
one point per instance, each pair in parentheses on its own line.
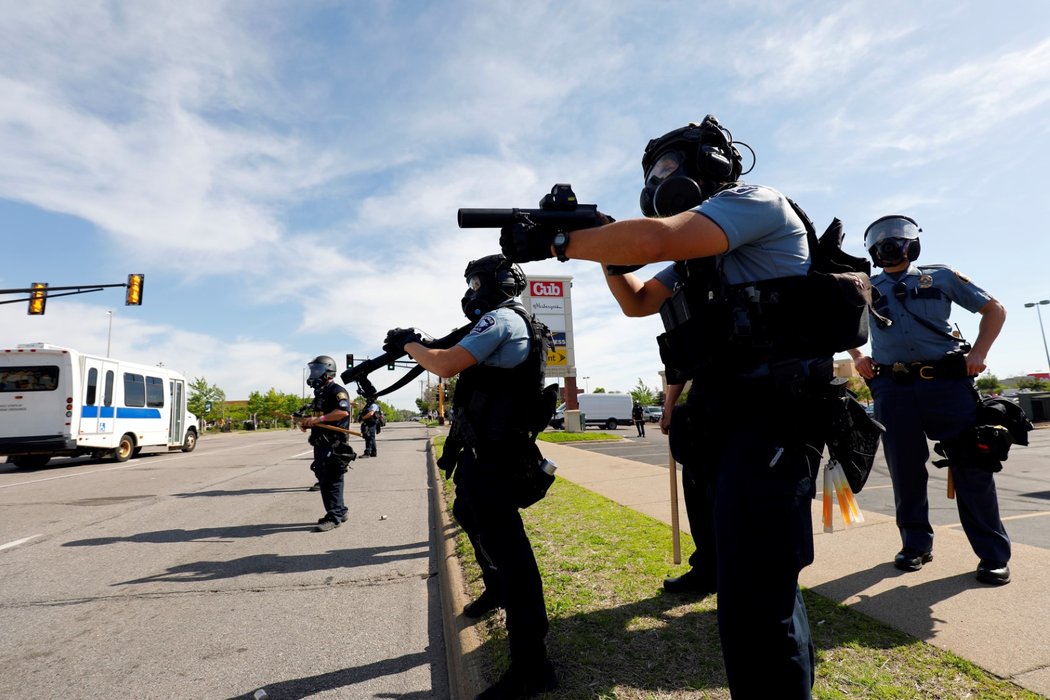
(929,293)
(500,338)
(766,238)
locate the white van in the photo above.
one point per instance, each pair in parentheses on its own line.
(606,410)
(57,402)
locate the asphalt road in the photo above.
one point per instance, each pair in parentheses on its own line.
(1023,485)
(198,576)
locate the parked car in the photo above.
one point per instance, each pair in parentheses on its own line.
(653,414)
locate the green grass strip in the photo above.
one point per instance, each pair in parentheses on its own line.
(615,634)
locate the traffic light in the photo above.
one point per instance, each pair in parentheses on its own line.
(349,360)
(134,295)
(38,299)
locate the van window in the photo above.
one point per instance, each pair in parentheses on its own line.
(92,387)
(154,392)
(107,397)
(134,390)
(37,378)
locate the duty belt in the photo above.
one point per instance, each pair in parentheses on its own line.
(906,372)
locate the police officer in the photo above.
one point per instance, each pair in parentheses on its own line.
(638,416)
(369,423)
(332,454)
(742,248)
(921,378)
(500,364)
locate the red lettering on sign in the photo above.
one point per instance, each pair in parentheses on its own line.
(547,288)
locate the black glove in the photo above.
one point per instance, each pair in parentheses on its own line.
(524,240)
(397,338)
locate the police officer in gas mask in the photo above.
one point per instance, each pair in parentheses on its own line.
(921,377)
(332,454)
(500,363)
(756,404)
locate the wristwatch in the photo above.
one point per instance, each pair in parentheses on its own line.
(560,242)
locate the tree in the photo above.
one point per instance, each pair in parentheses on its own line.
(1033,384)
(643,395)
(201,395)
(989,384)
(599,390)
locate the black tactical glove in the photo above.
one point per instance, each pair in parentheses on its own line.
(524,241)
(397,338)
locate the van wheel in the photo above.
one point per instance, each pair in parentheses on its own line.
(611,424)
(190,441)
(124,449)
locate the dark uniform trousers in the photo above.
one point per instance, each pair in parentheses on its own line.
(697,493)
(368,433)
(487,514)
(331,480)
(940,409)
(764,459)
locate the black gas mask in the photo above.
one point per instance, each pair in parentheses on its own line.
(491,281)
(322,368)
(893,239)
(686,166)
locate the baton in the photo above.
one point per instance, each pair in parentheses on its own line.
(322,425)
(676,545)
(951,484)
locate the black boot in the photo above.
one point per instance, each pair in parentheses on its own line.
(692,582)
(485,603)
(522,681)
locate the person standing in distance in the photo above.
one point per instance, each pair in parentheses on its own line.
(500,364)
(333,405)
(638,416)
(921,378)
(369,421)
(743,257)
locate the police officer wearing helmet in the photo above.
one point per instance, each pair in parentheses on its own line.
(500,363)
(921,378)
(332,454)
(738,246)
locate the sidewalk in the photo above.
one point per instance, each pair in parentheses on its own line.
(1001,629)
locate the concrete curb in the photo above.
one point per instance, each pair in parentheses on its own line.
(461,639)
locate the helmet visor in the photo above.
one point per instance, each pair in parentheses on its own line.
(890,227)
(665,166)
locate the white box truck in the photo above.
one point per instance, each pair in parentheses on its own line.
(57,402)
(605,410)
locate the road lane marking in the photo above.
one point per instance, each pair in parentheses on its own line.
(15,543)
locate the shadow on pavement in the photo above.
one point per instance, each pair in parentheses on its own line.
(277,564)
(204,533)
(311,685)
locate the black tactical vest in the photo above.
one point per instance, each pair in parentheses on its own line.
(493,406)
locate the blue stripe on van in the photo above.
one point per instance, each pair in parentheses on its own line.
(107,412)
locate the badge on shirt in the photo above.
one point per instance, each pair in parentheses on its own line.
(925,281)
(484,324)
(961,276)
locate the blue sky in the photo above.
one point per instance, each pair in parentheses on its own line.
(287,174)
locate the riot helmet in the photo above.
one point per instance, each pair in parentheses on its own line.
(322,369)
(684,167)
(892,239)
(491,280)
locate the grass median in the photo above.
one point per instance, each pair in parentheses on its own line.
(615,634)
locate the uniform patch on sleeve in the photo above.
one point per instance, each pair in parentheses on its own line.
(342,396)
(961,276)
(483,325)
